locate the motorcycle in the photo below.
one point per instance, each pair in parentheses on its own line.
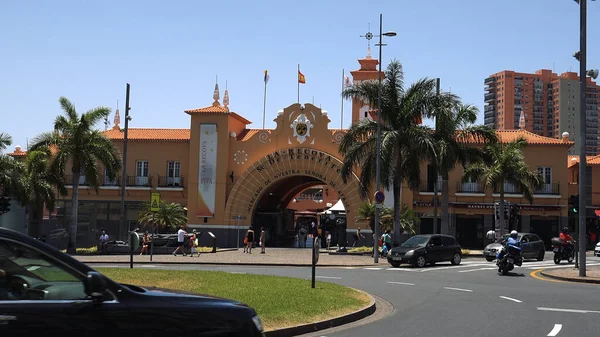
(560,253)
(512,256)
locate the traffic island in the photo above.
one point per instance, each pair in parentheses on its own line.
(570,274)
(287,306)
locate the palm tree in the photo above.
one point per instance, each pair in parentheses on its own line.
(505,163)
(454,130)
(408,219)
(405,143)
(76,142)
(40,186)
(11,170)
(170,216)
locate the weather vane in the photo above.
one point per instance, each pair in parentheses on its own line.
(368,36)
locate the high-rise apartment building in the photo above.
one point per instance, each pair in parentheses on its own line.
(548,102)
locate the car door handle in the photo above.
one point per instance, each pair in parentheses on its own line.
(5,319)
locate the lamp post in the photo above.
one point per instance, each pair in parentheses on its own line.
(124,176)
(582,129)
(378,159)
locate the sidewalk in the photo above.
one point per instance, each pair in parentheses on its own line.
(571,274)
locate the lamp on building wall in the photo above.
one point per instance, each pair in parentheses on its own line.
(294,201)
(593,73)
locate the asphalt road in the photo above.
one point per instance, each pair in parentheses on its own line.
(471,299)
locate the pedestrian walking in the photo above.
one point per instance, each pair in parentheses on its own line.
(262,240)
(194,244)
(181,234)
(250,236)
(357,238)
(103,241)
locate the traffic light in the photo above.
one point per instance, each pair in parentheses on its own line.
(4,204)
(574,203)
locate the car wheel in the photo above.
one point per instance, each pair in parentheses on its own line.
(420,262)
(489,258)
(540,256)
(456,259)
(395,264)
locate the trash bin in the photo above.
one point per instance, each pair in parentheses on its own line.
(213,241)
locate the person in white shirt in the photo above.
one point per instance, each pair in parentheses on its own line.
(103,240)
(181,234)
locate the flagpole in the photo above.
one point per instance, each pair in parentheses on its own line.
(342,116)
(265,102)
(298,75)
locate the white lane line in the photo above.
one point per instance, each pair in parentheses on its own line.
(453,267)
(147,266)
(564,266)
(402,269)
(470,270)
(575,311)
(373,268)
(511,299)
(401,283)
(555,330)
(350,267)
(237,272)
(329,277)
(459,289)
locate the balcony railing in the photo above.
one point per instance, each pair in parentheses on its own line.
(469,187)
(427,186)
(69,180)
(549,189)
(509,189)
(175,182)
(106,181)
(138,181)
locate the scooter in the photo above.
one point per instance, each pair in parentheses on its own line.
(560,253)
(512,256)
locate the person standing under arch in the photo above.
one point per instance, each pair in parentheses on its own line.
(250,236)
(262,240)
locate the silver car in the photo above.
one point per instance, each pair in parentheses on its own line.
(535,248)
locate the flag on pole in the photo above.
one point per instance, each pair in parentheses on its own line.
(301,78)
(347,82)
(266,77)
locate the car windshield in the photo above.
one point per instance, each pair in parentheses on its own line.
(416,241)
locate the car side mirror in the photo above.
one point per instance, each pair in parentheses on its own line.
(95,286)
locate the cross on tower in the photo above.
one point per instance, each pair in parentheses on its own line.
(368,36)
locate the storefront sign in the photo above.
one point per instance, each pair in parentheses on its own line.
(327,170)
(524,207)
(207,171)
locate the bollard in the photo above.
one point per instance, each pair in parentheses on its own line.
(214,242)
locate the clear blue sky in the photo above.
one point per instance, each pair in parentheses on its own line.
(170,52)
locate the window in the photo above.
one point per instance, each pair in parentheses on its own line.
(448,241)
(108,181)
(173,173)
(46,279)
(141,173)
(436,241)
(546,173)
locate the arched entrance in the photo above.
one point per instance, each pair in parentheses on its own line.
(270,183)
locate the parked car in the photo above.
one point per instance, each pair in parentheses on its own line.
(597,249)
(420,250)
(44,292)
(534,249)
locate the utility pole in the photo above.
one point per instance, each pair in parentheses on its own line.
(435,185)
(124,177)
(582,130)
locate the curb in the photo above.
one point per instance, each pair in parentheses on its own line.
(326,324)
(255,264)
(569,279)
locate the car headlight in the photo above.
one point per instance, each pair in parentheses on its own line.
(257,323)
(410,253)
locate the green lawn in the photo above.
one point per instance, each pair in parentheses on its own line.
(279,301)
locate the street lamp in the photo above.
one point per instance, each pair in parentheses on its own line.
(124,176)
(378,158)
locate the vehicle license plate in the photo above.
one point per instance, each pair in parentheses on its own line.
(556,250)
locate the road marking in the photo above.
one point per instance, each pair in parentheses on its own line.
(459,289)
(470,270)
(566,266)
(350,267)
(401,283)
(147,266)
(575,311)
(237,272)
(453,267)
(402,269)
(373,268)
(329,277)
(511,299)
(555,330)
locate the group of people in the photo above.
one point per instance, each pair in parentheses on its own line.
(181,235)
(249,240)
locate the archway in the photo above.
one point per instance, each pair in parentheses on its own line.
(284,173)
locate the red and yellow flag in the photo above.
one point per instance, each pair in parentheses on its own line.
(301,78)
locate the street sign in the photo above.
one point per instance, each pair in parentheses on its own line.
(155,202)
(316,248)
(379,197)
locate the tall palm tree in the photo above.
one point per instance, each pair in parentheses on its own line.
(170,216)
(11,170)
(405,143)
(505,163)
(455,128)
(77,143)
(40,186)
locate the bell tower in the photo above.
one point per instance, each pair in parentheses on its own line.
(368,71)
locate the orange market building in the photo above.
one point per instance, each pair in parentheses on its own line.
(231,177)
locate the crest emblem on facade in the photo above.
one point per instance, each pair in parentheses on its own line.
(301,127)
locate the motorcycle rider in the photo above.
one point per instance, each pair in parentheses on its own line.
(511,241)
(567,240)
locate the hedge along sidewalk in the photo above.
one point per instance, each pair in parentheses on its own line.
(281,302)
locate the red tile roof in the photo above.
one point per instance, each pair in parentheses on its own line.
(247,134)
(149,134)
(217,109)
(18,152)
(591,160)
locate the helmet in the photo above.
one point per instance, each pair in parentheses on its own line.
(565,230)
(514,234)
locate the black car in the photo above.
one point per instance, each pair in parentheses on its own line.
(44,292)
(420,250)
